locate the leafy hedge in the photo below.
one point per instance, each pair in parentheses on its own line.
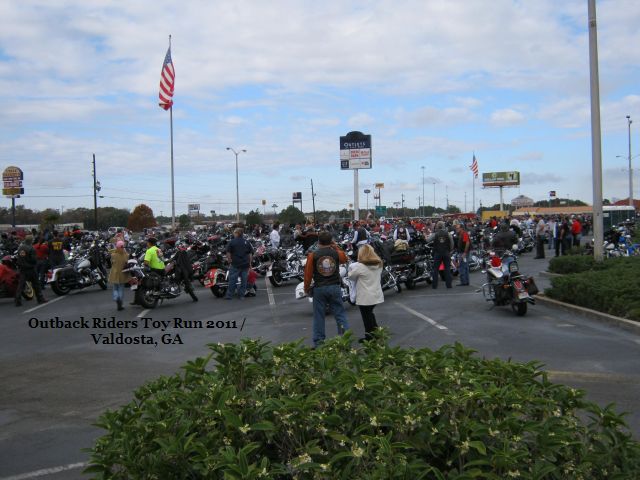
(611,286)
(379,412)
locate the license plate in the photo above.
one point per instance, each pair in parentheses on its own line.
(269,273)
(134,287)
(522,295)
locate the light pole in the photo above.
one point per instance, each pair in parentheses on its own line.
(434,197)
(422,209)
(630,170)
(274,206)
(237,189)
(367,192)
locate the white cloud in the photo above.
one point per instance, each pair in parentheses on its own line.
(507,117)
(360,120)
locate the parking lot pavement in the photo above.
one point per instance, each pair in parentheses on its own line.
(56,382)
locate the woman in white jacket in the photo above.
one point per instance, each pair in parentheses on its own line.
(366,273)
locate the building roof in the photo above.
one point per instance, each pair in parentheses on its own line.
(625,201)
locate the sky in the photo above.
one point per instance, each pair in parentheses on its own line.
(432,81)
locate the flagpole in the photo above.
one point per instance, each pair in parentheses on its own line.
(473,202)
(173,200)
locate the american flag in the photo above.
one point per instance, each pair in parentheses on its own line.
(167,82)
(474,167)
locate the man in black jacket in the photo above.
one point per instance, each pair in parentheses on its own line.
(27,262)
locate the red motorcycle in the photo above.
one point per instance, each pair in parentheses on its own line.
(9,280)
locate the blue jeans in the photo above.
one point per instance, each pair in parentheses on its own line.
(463,268)
(330,296)
(118,291)
(234,273)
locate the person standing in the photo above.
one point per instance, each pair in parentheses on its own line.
(27,262)
(42,254)
(360,237)
(56,250)
(239,255)
(540,235)
(576,231)
(565,236)
(442,246)
(117,277)
(274,236)
(464,247)
(366,273)
(323,267)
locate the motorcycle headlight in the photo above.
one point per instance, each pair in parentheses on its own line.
(513,267)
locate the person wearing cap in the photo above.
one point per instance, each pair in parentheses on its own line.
(117,277)
(27,261)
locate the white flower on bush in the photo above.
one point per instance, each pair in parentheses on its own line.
(357,451)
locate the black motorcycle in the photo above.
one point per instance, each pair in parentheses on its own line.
(85,270)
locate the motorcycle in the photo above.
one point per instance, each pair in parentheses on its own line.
(506,285)
(150,287)
(85,270)
(346,288)
(287,264)
(388,280)
(9,280)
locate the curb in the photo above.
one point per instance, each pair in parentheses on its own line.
(623,323)
(550,274)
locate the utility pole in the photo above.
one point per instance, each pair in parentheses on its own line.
(446,192)
(403,204)
(465,202)
(96,188)
(596,139)
(313,201)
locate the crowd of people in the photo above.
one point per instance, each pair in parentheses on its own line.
(41,251)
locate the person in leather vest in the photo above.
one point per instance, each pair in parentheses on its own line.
(323,267)
(442,247)
(27,262)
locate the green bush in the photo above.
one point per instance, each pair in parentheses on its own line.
(380,412)
(612,286)
(572,264)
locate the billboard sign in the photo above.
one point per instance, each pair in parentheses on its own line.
(501,179)
(552,193)
(12,178)
(297,196)
(194,209)
(355,151)
(381,210)
(379,185)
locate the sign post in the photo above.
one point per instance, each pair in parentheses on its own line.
(12,187)
(355,153)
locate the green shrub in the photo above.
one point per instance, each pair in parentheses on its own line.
(380,412)
(571,264)
(613,286)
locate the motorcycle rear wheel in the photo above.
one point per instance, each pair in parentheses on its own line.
(218,291)
(28,293)
(147,300)
(410,284)
(276,278)
(520,309)
(60,289)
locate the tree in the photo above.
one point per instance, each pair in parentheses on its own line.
(291,215)
(254,217)
(141,218)
(184,221)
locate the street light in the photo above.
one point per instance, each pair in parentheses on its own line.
(434,197)
(422,210)
(367,191)
(630,170)
(237,189)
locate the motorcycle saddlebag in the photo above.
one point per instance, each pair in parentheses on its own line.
(532,288)
(152,281)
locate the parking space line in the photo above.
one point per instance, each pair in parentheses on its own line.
(46,471)
(272,300)
(143,313)
(420,315)
(43,305)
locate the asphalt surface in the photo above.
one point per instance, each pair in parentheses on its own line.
(56,382)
